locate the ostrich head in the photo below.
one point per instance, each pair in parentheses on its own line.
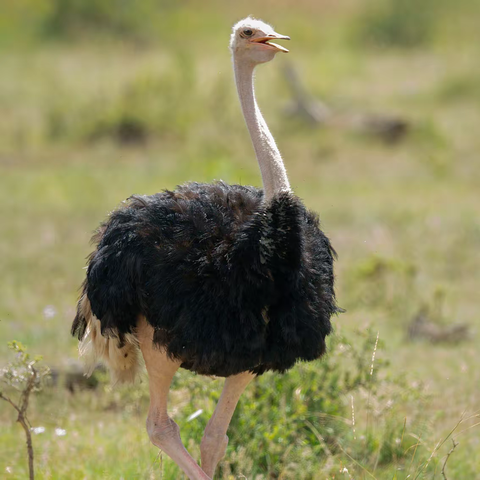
(251,41)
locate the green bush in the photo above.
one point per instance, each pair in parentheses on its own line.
(397,23)
(149,105)
(67,18)
(73,19)
(286,426)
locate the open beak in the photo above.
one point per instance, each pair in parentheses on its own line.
(273,36)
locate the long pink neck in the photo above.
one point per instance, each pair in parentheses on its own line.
(274,175)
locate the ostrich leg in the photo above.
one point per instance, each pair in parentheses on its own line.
(214,442)
(162,430)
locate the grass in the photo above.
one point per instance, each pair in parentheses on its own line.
(404,220)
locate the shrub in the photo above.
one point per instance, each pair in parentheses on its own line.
(125,18)
(150,105)
(299,425)
(397,23)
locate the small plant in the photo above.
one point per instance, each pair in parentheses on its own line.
(23,375)
(386,283)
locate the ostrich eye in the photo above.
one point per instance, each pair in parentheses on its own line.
(247,32)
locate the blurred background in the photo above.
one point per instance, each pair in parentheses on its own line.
(376,110)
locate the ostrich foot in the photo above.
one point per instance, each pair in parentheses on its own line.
(214,442)
(212,448)
(164,433)
(162,430)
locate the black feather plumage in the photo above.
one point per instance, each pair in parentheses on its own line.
(229,283)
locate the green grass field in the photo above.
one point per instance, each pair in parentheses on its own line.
(98,103)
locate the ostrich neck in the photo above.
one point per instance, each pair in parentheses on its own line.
(274,175)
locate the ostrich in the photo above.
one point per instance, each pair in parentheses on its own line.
(222,280)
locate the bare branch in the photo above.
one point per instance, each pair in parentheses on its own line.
(388,128)
(7,399)
(455,444)
(28,390)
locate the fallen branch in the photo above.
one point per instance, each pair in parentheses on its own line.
(388,128)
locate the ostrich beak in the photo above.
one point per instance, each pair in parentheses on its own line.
(273,36)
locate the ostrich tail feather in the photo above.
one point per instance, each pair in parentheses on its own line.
(121,357)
